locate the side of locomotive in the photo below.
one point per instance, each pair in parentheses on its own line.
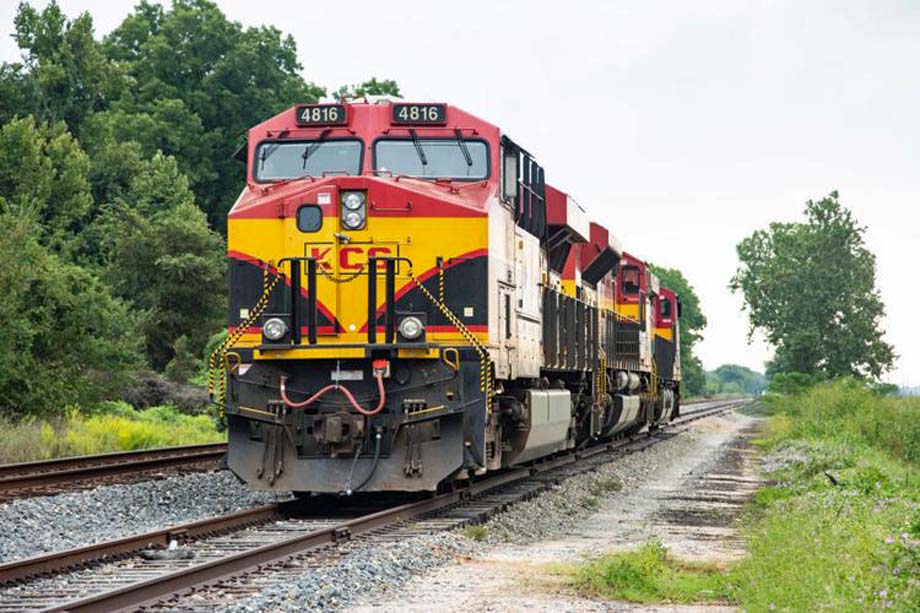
(411,304)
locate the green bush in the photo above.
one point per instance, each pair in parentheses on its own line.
(792,383)
(183,365)
(65,339)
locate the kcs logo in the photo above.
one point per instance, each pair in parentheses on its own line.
(351,257)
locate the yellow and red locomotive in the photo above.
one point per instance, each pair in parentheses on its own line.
(411,304)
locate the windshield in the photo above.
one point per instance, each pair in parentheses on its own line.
(665,308)
(292,159)
(630,280)
(442,158)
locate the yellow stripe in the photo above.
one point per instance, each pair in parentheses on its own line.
(665,333)
(315,354)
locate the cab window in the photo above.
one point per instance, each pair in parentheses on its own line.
(277,161)
(631,280)
(666,308)
(436,158)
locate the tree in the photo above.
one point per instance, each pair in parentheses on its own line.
(163,258)
(810,288)
(43,179)
(373,87)
(735,379)
(64,75)
(199,82)
(692,322)
(65,340)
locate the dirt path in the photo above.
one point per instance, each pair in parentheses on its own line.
(689,505)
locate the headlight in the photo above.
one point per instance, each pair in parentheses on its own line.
(274,329)
(353,220)
(353,200)
(411,328)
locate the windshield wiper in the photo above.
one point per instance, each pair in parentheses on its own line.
(418,148)
(464,148)
(269,149)
(266,152)
(311,147)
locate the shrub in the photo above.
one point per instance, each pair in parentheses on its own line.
(183,365)
(148,389)
(65,339)
(476,532)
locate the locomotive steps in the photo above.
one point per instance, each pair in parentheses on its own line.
(225,559)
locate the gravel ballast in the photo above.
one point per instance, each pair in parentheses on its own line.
(33,526)
(361,572)
(373,574)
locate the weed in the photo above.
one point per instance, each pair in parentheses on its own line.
(606,485)
(475,532)
(590,502)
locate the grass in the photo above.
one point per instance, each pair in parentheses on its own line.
(840,531)
(113,426)
(649,575)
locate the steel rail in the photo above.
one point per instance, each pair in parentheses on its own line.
(56,562)
(156,589)
(66,470)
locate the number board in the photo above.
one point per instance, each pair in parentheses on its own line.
(420,113)
(321,115)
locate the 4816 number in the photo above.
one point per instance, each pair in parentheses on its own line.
(321,115)
(419,113)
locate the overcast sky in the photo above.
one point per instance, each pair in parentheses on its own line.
(682,126)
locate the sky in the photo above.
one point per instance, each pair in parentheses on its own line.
(681,126)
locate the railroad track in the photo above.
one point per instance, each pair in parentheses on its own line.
(242,553)
(64,474)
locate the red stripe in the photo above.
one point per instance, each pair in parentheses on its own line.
(448,328)
(328,330)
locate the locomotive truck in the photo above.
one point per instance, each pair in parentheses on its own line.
(411,304)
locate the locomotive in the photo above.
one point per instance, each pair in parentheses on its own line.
(411,304)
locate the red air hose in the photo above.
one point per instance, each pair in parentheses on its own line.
(380,367)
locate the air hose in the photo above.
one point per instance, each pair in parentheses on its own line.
(380,367)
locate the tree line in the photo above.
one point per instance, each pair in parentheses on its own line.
(115,179)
